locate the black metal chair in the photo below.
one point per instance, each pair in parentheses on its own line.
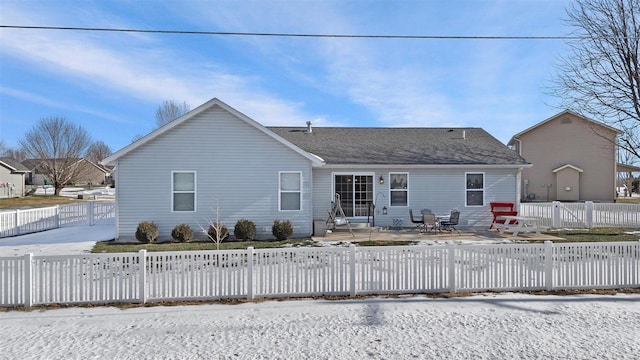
(419,221)
(451,223)
(430,222)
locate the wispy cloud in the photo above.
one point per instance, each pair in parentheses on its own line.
(140,67)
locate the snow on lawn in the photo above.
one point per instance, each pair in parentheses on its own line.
(74,191)
(485,326)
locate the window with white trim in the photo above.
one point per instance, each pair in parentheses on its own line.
(475,189)
(290,191)
(399,189)
(183,187)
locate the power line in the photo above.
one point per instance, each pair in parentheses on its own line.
(301,35)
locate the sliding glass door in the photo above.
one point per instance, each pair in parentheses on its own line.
(356,193)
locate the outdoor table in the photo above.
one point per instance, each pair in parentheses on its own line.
(522,224)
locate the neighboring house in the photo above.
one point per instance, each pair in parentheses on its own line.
(85,172)
(216,159)
(12,178)
(573,158)
(625,179)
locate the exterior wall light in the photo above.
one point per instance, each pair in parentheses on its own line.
(384,210)
(381,180)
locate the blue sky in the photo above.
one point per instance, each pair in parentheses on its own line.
(112,83)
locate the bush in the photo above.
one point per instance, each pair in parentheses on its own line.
(147,232)
(182,233)
(213,234)
(245,230)
(282,230)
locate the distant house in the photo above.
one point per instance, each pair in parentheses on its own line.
(12,178)
(573,159)
(84,172)
(215,157)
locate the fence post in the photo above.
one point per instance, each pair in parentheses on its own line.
(17,222)
(90,213)
(556,221)
(57,217)
(28,280)
(250,272)
(548,265)
(588,214)
(142,256)
(352,270)
(452,267)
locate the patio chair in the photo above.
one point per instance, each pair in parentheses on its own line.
(451,223)
(419,221)
(430,222)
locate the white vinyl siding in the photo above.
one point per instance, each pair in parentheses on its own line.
(183,188)
(237,169)
(439,190)
(290,190)
(474,189)
(399,189)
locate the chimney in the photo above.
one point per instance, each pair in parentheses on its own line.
(309,130)
(464,134)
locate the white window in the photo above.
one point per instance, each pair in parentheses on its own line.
(290,191)
(183,186)
(399,189)
(475,189)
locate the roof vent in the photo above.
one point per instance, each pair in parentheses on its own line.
(309,130)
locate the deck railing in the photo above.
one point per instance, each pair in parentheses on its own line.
(299,272)
(20,222)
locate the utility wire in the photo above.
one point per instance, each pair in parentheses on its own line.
(302,35)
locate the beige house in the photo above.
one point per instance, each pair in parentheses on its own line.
(83,172)
(573,158)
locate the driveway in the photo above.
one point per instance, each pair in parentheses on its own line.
(61,241)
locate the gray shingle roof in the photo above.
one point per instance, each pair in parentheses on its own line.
(15,164)
(402,146)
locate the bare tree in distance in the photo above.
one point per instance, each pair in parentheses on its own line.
(169,111)
(137,137)
(97,152)
(15,154)
(6,151)
(601,74)
(57,145)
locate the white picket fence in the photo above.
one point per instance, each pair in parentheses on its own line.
(20,222)
(583,215)
(299,272)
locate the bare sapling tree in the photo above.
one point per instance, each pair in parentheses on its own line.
(57,146)
(601,74)
(219,230)
(97,152)
(169,111)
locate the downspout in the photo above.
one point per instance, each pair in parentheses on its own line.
(518,188)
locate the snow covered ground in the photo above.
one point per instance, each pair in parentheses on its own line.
(484,326)
(74,191)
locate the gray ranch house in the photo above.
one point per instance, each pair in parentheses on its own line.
(215,158)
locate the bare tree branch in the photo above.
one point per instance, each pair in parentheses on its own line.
(98,151)
(169,111)
(601,74)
